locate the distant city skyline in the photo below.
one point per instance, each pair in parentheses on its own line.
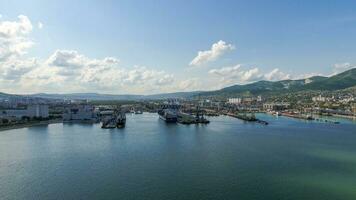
(149,47)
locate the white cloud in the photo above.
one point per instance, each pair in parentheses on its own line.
(40,25)
(236,75)
(71,71)
(14,43)
(217,49)
(75,72)
(276,75)
(307,75)
(14,69)
(14,39)
(191,84)
(67,59)
(341,67)
(68,70)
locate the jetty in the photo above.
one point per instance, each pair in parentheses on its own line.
(249,118)
(186,118)
(308,117)
(297,116)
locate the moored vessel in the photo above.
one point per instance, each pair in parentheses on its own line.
(120,120)
(168,115)
(116,120)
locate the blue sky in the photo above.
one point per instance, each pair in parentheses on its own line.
(154,43)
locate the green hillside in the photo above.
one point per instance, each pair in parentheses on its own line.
(337,82)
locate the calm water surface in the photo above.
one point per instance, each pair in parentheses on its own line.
(227,159)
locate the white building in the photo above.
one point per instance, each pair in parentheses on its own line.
(31,111)
(37,111)
(13,113)
(80,113)
(234,100)
(319,99)
(276,106)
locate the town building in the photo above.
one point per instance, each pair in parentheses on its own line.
(234,100)
(80,112)
(276,106)
(319,99)
(38,111)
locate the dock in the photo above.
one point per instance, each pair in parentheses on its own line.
(185,118)
(297,116)
(247,118)
(308,117)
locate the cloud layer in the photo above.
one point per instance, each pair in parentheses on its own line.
(13,38)
(238,75)
(75,72)
(217,49)
(71,71)
(340,67)
(68,70)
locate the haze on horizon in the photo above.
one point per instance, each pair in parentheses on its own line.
(147,47)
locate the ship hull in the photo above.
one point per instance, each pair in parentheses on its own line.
(120,124)
(168,119)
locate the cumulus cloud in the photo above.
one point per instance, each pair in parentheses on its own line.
(241,75)
(276,75)
(74,71)
(13,70)
(68,70)
(237,75)
(14,43)
(217,50)
(14,39)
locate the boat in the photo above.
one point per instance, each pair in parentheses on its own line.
(116,120)
(185,118)
(168,115)
(109,122)
(199,118)
(138,112)
(275,113)
(120,120)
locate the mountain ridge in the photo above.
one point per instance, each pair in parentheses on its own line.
(341,81)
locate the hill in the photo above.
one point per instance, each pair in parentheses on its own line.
(341,81)
(337,82)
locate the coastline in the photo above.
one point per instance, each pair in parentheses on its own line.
(345,116)
(30,124)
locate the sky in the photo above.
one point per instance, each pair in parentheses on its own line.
(157,46)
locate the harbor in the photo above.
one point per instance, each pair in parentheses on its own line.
(148,145)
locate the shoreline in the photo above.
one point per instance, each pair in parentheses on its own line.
(26,125)
(344,116)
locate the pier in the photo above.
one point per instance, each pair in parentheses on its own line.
(308,117)
(245,117)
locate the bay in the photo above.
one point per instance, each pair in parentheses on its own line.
(149,159)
